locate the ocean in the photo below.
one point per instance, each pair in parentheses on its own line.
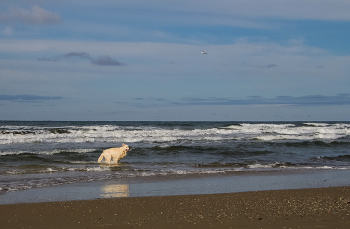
(42,154)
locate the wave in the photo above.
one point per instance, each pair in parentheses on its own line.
(340,158)
(317,143)
(52,152)
(133,134)
(56,169)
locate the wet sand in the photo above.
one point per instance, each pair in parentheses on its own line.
(296,208)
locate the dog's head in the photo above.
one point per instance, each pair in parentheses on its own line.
(125,147)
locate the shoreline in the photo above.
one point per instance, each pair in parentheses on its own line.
(291,208)
(181,185)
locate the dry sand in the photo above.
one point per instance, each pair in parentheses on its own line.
(301,208)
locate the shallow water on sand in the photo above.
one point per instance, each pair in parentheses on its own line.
(180,185)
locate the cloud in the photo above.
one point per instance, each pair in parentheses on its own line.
(34,16)
(47,59)
(103,60)
(28,97)
(77,54)
(270,65)
(106,61)
(259,66)
(310,100)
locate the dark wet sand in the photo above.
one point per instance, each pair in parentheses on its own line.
(295,208)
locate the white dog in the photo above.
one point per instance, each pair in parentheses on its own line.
(114,153)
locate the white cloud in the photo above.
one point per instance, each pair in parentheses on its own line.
(240,54)
(265,68)
(103,60)
(34,16)
(221,73)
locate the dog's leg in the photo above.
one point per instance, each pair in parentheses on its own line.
(100,158)
(115,158)
(108,158)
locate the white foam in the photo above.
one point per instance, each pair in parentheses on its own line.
(109,133)
(316,124)
(315,167)
(87,169)
(259,166)
(15,172)
(97,169)
(324,167)
(82,162)
(56,151)
(164,146)
(147,174)
(49,170)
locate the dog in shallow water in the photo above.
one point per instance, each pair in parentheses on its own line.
(114,153)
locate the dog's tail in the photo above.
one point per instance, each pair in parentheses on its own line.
(100,158)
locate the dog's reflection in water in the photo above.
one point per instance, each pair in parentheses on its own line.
(115,190)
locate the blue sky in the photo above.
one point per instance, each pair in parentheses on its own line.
(268,60)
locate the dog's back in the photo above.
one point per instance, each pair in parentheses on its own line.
(114,153)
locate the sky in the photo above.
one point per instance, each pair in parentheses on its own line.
(140,60)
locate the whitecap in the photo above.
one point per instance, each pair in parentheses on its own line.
(49,170)
(259,166)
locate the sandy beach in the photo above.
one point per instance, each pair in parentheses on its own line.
(296,208)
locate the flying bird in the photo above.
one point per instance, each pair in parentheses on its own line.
(204,52)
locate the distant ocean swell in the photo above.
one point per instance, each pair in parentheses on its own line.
(111,133)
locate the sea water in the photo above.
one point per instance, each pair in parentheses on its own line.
(54,154)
